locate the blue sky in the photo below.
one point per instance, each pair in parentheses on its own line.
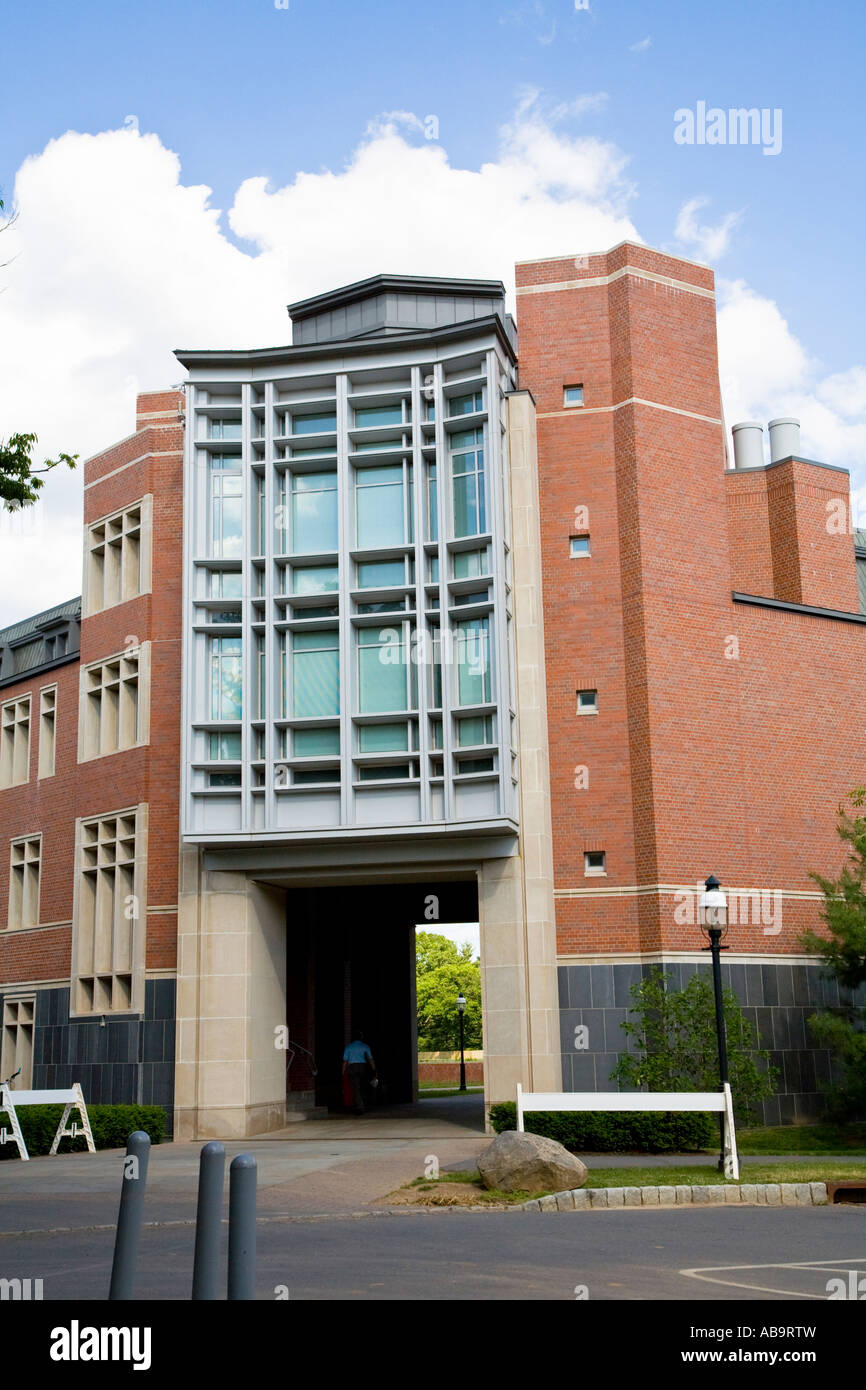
(243,88)
(240,92)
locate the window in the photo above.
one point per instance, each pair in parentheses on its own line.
(226,429)
(385,671)
(383,738)
(474,676)
(16,1053)
(225,678)
(259,676)
(224,747)
(470,563)
(436,667)
(467,467)
(379,415)
(117,560)
(587,702)
(473,731)
(24,877)
(381,574)
(385,772)
(383,506)
(315,579)
(314,513)
(47,730)
(15,742)
(316,743)
(107,937)
(594,862)
(579,546)
(325,422)
(261,536)
(315,674)
(465,405)
(432,504)
(573,395)
(226,506)
(226,584)
(110,708)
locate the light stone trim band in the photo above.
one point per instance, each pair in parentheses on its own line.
(595,280)
(696,957)
(157,454)
(640,890)
(620,405)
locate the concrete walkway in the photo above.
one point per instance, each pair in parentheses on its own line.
(336,1165)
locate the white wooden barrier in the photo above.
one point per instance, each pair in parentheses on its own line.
(718,1101)
(72,1098)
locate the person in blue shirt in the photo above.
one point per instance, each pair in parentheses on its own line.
(357,1057)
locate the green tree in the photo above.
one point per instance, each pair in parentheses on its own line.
(444,970)
(20,480)
(843,951)
(676,1044)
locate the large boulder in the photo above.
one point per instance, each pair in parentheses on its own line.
(530,1163)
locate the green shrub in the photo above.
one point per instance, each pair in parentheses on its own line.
(111,1126)
(614,1132)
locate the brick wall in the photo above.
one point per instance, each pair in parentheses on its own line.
(720,744)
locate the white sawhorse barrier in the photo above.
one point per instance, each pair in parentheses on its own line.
(718,1101)
(70,1099)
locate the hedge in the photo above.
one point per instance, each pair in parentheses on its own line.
(111,1126)
(614,1131)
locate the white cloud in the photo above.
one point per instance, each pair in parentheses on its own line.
(709,243)
(767,372)
(117,262)
(641,46)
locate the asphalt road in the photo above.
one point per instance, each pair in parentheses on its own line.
(694,1254)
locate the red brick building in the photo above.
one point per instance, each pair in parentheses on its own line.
(700,643)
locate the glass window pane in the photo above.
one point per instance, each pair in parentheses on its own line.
(473,662)
(473,731)
(380,516)
(465,506)
(314,512)
(464,405)
(374,574)
(316,674)
(384,738)
(226,584)
(323,423)
(225,678)
(469,563)
(226,429)
(315,579)
(381,674)
(378,415)
(316,743)
(225,746)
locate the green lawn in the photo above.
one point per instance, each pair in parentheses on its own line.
(822,1170)
(803,1139)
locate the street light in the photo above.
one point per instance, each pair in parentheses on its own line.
(713,918)
(461,1010)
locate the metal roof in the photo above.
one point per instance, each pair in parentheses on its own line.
(28,627)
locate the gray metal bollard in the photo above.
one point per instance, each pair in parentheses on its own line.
(208,1221)
(242,1228)
(129,1216)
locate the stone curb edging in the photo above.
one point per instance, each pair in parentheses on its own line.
(785,1194)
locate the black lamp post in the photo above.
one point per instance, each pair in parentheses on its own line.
(461,1010)
(713,915)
